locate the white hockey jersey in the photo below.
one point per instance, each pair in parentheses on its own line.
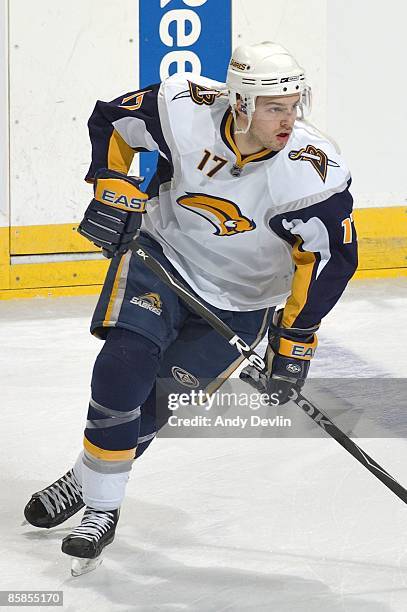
(244,233)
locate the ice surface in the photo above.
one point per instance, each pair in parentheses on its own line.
(284,525)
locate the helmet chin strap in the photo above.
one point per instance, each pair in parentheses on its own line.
(248,107)
(237,129)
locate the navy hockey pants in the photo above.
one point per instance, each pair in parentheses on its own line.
(152,335)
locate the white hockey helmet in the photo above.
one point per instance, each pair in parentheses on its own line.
(265,69)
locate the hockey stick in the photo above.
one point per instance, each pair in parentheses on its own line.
(255,360)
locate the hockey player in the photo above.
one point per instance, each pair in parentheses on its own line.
(250,207)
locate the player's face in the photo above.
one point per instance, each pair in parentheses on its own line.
(273,120)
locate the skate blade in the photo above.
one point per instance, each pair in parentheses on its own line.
(84,566)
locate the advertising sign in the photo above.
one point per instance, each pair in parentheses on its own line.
(182,36)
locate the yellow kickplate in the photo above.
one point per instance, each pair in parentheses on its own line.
(67,273)
(380,273)
(4,257)
(47,292)
(382,236)
(40,239)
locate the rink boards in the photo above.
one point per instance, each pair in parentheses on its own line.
(382,254)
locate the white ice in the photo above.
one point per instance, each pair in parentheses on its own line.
(284,525)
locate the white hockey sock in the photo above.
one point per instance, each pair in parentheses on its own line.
(103,491)
(77,468)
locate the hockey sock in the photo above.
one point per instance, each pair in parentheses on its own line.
(123,377)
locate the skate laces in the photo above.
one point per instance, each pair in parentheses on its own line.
(62,493)
(94,525)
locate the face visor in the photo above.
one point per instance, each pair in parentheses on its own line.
(273,110)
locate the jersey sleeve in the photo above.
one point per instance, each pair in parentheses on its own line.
(324,250)
(124,126)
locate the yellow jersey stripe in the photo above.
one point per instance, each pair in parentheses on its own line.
(305,262)
(113,295)
(119,154)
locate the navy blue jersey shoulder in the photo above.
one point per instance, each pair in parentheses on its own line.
(142,105)
(324,247)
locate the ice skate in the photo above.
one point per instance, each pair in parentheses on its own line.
(56,503)
(87,541)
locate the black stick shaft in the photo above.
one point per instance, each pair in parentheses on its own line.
(321,419)
(255,360)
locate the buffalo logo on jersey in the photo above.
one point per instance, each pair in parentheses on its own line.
(149,301)
(223,214)
(198,94)
(317,158)
(138,98)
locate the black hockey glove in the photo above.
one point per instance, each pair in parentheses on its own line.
(113,216)
(287,358)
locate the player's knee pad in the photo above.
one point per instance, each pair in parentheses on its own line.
(123,376)
(125,370)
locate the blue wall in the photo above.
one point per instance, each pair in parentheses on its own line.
(212,47)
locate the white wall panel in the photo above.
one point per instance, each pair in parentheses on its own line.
(367,93)
(4,203)
(63,55)
(354,55)
(298,25)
